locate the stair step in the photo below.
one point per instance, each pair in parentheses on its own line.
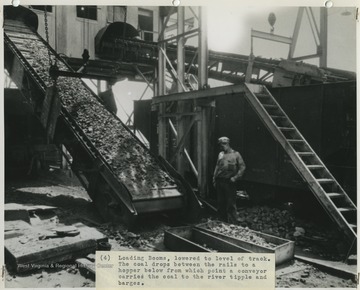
(286,129)
(262,95)
(306,153)
(277,117)
(295,140)
(270,106)
(346,209)
(335,195)
(264,99)
(325,180)
(353,226)
(314,166)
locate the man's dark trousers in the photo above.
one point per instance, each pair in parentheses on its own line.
(226,198)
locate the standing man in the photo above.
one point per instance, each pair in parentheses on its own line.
(230,167)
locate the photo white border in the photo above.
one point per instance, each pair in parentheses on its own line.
(231,3)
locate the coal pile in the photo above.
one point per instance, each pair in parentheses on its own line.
(128,159)
(238,232)
(326,241)
(283,223)
(273,221)
(131,240)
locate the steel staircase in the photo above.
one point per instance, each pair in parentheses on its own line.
(321,182)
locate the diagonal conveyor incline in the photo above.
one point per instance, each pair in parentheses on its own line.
(321,182)
(140,181)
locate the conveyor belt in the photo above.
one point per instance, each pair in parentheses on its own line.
(224,66)
(108,157)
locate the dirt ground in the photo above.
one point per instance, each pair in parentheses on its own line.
(60,189)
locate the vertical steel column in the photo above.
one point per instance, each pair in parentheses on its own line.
(181,122)
(203,124)
(161,64)
(180,47)
(203,48)
(161,91)
(323,36)
(249,68)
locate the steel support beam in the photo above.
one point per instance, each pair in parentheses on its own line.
(181,141)
(181,120)
(180,47)
(161,91)
(203,48)
(189,21)
(323,37)
(313,26)
(194,95)
(193,12)
(172,70)
(270,36)
(314,22)
(144,78)
(162,131)
(202,126)
(70,74)
(161,62)
(249,68)
(176,36)
(306,57)
(165,22)
(193,168)
(296,32)
(203,132)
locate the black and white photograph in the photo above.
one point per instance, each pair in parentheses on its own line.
(222,128)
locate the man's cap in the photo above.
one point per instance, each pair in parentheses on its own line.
(223,140)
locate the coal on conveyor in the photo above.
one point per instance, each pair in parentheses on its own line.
(133,165)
